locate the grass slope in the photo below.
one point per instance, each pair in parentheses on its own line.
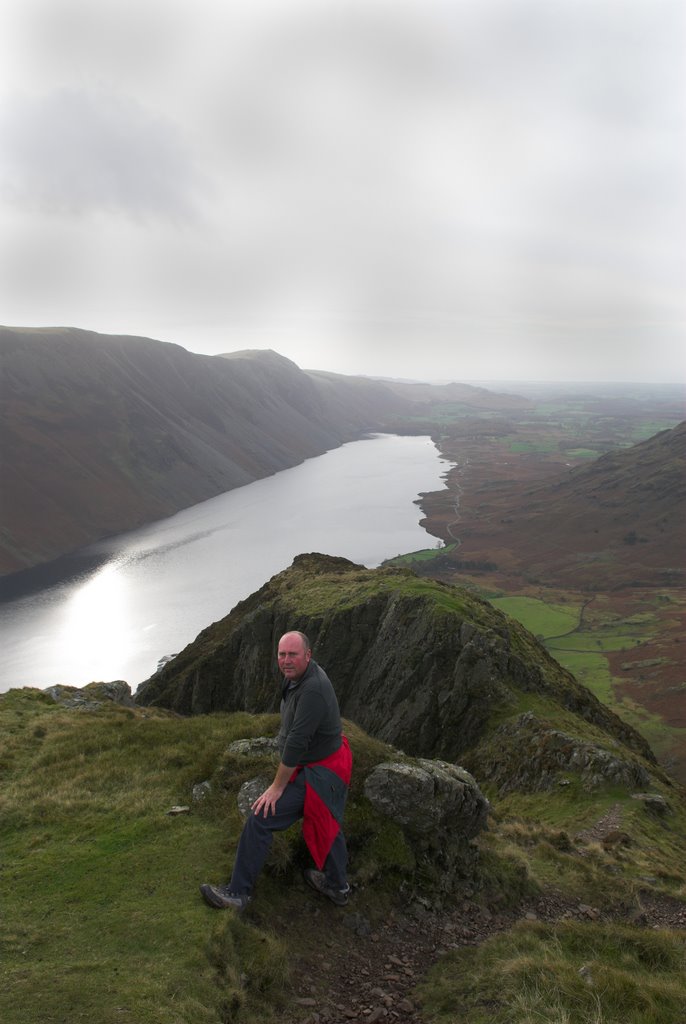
(101,916)
(102,919)
(569,974)
(581,639)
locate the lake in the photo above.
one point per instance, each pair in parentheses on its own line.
(154,589)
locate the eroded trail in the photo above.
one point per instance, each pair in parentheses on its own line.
(370,974)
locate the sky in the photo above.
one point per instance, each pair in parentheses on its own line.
(440,189)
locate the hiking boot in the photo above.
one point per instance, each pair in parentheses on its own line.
(318,881)
(222,898)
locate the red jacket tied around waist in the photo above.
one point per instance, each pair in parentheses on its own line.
(326,790)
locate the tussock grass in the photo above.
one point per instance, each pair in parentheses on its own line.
(546,827)
(563,974)
(102,920)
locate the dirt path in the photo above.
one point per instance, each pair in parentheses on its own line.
(368,974)
(371,978)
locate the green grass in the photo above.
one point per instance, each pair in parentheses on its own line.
(562,974)
(592,642)
(101,916)
(528,447)
(424,555)
(582,453)
(581,649)
(540,617)
(100,886)
(546,830)
(590,669)
(325,592)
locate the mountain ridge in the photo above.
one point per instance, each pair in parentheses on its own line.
(419,664)
(103,433)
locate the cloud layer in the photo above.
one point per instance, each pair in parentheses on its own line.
(445,188)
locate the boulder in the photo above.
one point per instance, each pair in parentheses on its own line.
(529,755)
(440,809)
(255,745)
(654,804)
(92,696)
(249,792)
(201,790)
(433,801)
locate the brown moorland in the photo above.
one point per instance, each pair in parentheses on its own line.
(580,502)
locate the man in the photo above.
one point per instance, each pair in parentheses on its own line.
(311,782)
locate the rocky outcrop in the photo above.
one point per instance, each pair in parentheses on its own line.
(431,800)
(530,755)
(440,809)
(92,696)
(419,816)
(419,664)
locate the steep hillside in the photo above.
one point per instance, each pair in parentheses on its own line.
(419,664)
(101,433)
(619,518)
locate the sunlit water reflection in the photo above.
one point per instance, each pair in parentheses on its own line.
(164,583)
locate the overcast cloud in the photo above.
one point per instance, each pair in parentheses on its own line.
(475,189)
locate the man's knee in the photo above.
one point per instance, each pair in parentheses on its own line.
(255,825)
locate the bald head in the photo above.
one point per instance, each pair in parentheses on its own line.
(293,654)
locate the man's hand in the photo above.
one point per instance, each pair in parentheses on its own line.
(266,802)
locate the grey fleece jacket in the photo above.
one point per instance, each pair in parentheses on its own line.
(310,719)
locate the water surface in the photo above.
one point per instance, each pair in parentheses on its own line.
(157,587)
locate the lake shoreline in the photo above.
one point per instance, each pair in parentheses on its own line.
(114,608)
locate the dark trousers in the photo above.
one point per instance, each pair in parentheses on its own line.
(256,841)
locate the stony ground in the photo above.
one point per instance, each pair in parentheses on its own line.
(372,978)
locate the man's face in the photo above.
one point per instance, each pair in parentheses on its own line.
(293,656)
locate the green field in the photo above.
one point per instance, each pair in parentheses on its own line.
(580,647)
(542,619)
(582,453)
(423,555)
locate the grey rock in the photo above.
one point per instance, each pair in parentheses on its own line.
(654,803)
(440,809)
(92,696)
(249,792)
(529,755)
(431,799)
(201,790)
(358,923)
(256,745)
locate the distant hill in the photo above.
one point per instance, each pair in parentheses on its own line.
(469,395)
(103,433)
(99,433)
(620,517)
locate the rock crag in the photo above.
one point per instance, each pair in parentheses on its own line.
(421,665)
